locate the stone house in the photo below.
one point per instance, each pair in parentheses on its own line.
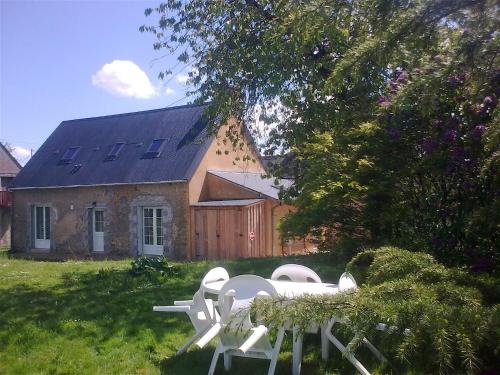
(146,183)
(9,168)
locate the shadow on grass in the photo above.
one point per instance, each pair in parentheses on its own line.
(112,300)
(197,361)
(110,310)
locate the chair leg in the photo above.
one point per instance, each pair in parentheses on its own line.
(325,344)
(217,351)
(191,341)
(297,352)
(227,361)
(276,351)
(272,365)
(351,358)
(374,350)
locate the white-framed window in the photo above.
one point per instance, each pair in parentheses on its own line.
(98,229)
(41,223)
(152,230)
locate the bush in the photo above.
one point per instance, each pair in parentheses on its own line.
(374,267)
(450,327)
(154,267)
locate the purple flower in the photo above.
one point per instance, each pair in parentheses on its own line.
(401,76)
(456,79)
(479,130)
(449,169)
(429,145)
(453,81)
(393,86)
(487,100)
(466,185)
(482,264)
(436,241)
(394,132)
(458,155)
(450,135)
(453,121)
(436,123)
(384,101)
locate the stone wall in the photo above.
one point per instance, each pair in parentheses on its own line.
(4,226)
(70,216)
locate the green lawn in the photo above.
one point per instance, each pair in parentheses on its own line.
(93,317)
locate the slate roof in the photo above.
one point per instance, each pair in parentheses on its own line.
(183,129)
(9,166)
(227,203)
(255,182)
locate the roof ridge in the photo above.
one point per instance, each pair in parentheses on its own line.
(223,171)
(137,112)
(14,160)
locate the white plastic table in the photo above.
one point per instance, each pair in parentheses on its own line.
(289,289)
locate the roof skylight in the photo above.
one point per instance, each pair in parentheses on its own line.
(115,150)
(75,168)
(154,149)
(69,155)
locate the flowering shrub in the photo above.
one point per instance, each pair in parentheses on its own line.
(437,125)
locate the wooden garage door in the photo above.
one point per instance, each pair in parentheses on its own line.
(217,233)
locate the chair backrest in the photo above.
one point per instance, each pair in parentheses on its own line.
(236,297)
(204,306)
(215,274)
(295,272)
(347,282)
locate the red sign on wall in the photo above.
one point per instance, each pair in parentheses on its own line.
(251,236)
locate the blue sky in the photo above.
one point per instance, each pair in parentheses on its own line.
(61,60)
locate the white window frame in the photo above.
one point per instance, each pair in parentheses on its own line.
(155,248)
(42,243)
(95,233)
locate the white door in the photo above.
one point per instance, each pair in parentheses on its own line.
(152,229)
(42,227)
(98,229)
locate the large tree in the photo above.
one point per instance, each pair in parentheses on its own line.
(389,109)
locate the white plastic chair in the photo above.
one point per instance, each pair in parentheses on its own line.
(299,273)
(238,335)
(295,272)
(201,310)
(346,283)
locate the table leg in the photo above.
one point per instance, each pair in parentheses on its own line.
(297,351)
(325,343)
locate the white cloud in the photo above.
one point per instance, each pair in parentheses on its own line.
(169,91)
(182,78)
(21,154)
(125,78)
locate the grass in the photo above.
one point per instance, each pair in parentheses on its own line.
(94,317)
